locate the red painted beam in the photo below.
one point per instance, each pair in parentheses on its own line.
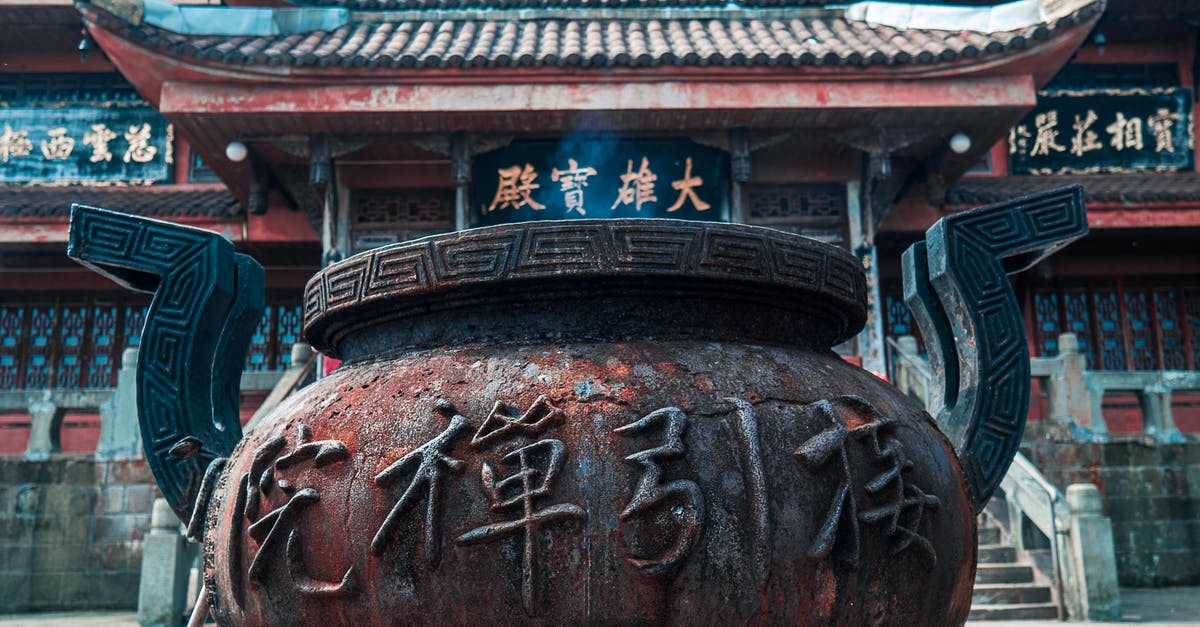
(237,100)
(49,62)
(913,214)
(1165,52)
(53,230)
(279,225)
(1117,215)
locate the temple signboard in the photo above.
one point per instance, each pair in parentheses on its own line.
(1105,130)
(601,178)
(107,144)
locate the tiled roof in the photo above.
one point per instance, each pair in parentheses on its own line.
(166,200)
(472,39)
(1149,187)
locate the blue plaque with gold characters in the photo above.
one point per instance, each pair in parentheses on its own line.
(1105,130)
(601,177)
(114,143)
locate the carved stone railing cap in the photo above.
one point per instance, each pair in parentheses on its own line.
(497,266)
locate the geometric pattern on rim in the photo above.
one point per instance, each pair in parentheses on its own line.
(586,248)
(956,284)
(207,301)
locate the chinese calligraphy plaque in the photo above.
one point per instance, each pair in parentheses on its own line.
(1105,130)
(601,178)
(76,144)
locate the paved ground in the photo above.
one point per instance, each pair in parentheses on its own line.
(1169,607)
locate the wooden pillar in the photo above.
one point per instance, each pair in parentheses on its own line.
(862,244)
(460,173)
(739,148)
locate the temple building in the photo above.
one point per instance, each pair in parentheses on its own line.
(306,131)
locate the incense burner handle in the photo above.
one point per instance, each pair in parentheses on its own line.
(207,302)
(956,285)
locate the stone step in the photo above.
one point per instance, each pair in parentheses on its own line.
(1004,593)
(989,535)
(1004,573)
(997,554)
(1014,611)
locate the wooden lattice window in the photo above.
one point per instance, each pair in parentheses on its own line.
(60,342)
(76,342)
(817,210)
(387,217)
(1122,324)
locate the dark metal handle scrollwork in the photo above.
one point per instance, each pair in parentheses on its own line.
(955,283)
(207,302)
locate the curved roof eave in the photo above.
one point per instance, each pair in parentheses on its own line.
(326,42)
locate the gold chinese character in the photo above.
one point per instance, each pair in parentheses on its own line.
(514,189)
(1047,134)
(687,189)
(637,188)
(572,181)
(1018,139)
(1085,139)
(98,139)
(14,144)
(1160,123)
(139,149)
(1126,133)
(60,146)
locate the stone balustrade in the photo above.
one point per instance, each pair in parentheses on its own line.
(1076,394)
(120,437)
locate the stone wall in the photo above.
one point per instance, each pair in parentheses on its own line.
(71,532)
(1151,492)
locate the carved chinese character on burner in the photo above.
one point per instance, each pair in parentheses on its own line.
(276,531)
(651,491)
(425,467)
(536,466)
(500,424)
(894,503)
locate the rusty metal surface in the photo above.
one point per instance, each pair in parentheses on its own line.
(684,482)
(593,423)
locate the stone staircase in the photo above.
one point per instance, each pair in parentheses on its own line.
(1007,586)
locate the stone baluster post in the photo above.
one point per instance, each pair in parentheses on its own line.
(906,379)
(1093,558)
(120,436)
(1070,399)
(45,418)
(1157,419)
(166,567)
(301,353)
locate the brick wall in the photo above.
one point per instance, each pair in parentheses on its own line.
(1152,494)
(71,532)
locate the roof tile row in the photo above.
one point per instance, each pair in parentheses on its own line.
(1129,188)
(599,43)
(167,201)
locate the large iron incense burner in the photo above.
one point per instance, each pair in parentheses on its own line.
(627,421)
